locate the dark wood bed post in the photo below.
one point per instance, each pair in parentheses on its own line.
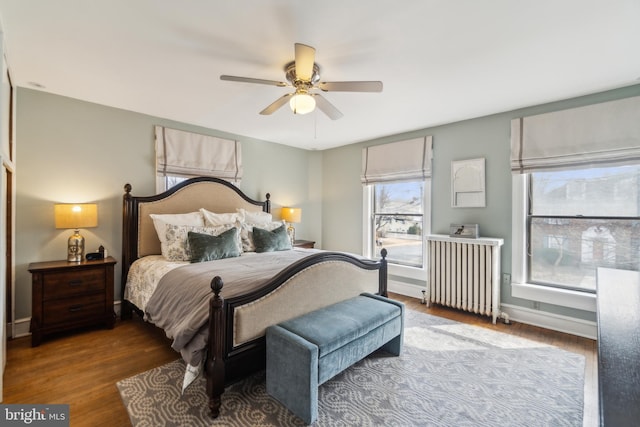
(267,204)
(125,309)
(215,369)
(382,274)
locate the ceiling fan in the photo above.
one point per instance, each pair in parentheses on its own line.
(303,74)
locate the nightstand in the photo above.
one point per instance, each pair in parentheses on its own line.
(67,295)
(304,244)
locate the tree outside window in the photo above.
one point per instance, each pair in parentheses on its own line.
(397,222)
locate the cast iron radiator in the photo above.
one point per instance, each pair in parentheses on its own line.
(465,274)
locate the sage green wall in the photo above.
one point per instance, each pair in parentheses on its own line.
(487,137)
(74,151)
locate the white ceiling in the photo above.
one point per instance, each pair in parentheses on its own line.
(440,60)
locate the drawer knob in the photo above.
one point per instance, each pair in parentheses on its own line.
(75,308)
(75,282)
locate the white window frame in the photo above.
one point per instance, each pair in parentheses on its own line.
(161,182)
(367,232)
(519,286)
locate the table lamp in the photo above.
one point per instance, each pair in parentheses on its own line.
(291,215)
(76,216)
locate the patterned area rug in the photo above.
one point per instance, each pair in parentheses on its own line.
(449,374)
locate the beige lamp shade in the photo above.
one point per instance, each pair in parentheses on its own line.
(70,215)
(291,215)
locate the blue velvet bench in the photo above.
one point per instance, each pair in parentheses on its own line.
(305,352)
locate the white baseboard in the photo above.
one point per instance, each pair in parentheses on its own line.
(405,289)
(555,322)
(23,326)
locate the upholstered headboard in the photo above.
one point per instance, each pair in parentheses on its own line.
(206,194)
(139,237)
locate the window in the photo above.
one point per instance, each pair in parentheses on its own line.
(397,222)
(168,181)
(181,155)
(575,200)
(579,220)
(396,178)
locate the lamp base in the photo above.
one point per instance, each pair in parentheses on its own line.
(75,248)
(292,234)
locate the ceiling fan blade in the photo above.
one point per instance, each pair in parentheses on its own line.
(327,107)
(350,86)
(305,57)
(250,80)
(276,105)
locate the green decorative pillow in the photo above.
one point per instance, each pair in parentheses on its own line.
(269,241)
(246,233)
(205,247)
(175,246)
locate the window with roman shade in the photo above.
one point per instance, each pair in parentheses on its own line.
(396,188)
(181,154)
(576,176)
(397,161)
(597,135)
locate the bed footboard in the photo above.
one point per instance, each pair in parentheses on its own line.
(237,346)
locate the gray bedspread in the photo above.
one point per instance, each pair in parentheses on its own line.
(180,303)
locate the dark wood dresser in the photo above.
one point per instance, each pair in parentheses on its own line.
(618,308)
(67,295)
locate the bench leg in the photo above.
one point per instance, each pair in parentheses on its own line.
(394,346)
(292,372)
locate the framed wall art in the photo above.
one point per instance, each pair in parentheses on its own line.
(468,183)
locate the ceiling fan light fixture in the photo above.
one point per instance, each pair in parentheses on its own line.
(303,75)
(302,103)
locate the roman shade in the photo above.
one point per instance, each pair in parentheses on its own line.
(598,135)
(397,161)
(188,154)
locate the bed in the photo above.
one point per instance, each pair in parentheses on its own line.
(234,298)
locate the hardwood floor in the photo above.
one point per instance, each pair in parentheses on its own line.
(82,368)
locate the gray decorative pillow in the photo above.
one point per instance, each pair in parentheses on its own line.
(176,245)
(205,247)
(269,241)
(246,233)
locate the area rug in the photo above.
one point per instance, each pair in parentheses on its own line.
(449,374)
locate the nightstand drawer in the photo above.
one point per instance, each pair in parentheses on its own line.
(62,284)
(79,308)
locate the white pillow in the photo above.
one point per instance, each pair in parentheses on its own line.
(176,246)
(246,233)
(161,220)
(255,217)
(213,219)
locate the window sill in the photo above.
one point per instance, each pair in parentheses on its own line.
(562,297)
